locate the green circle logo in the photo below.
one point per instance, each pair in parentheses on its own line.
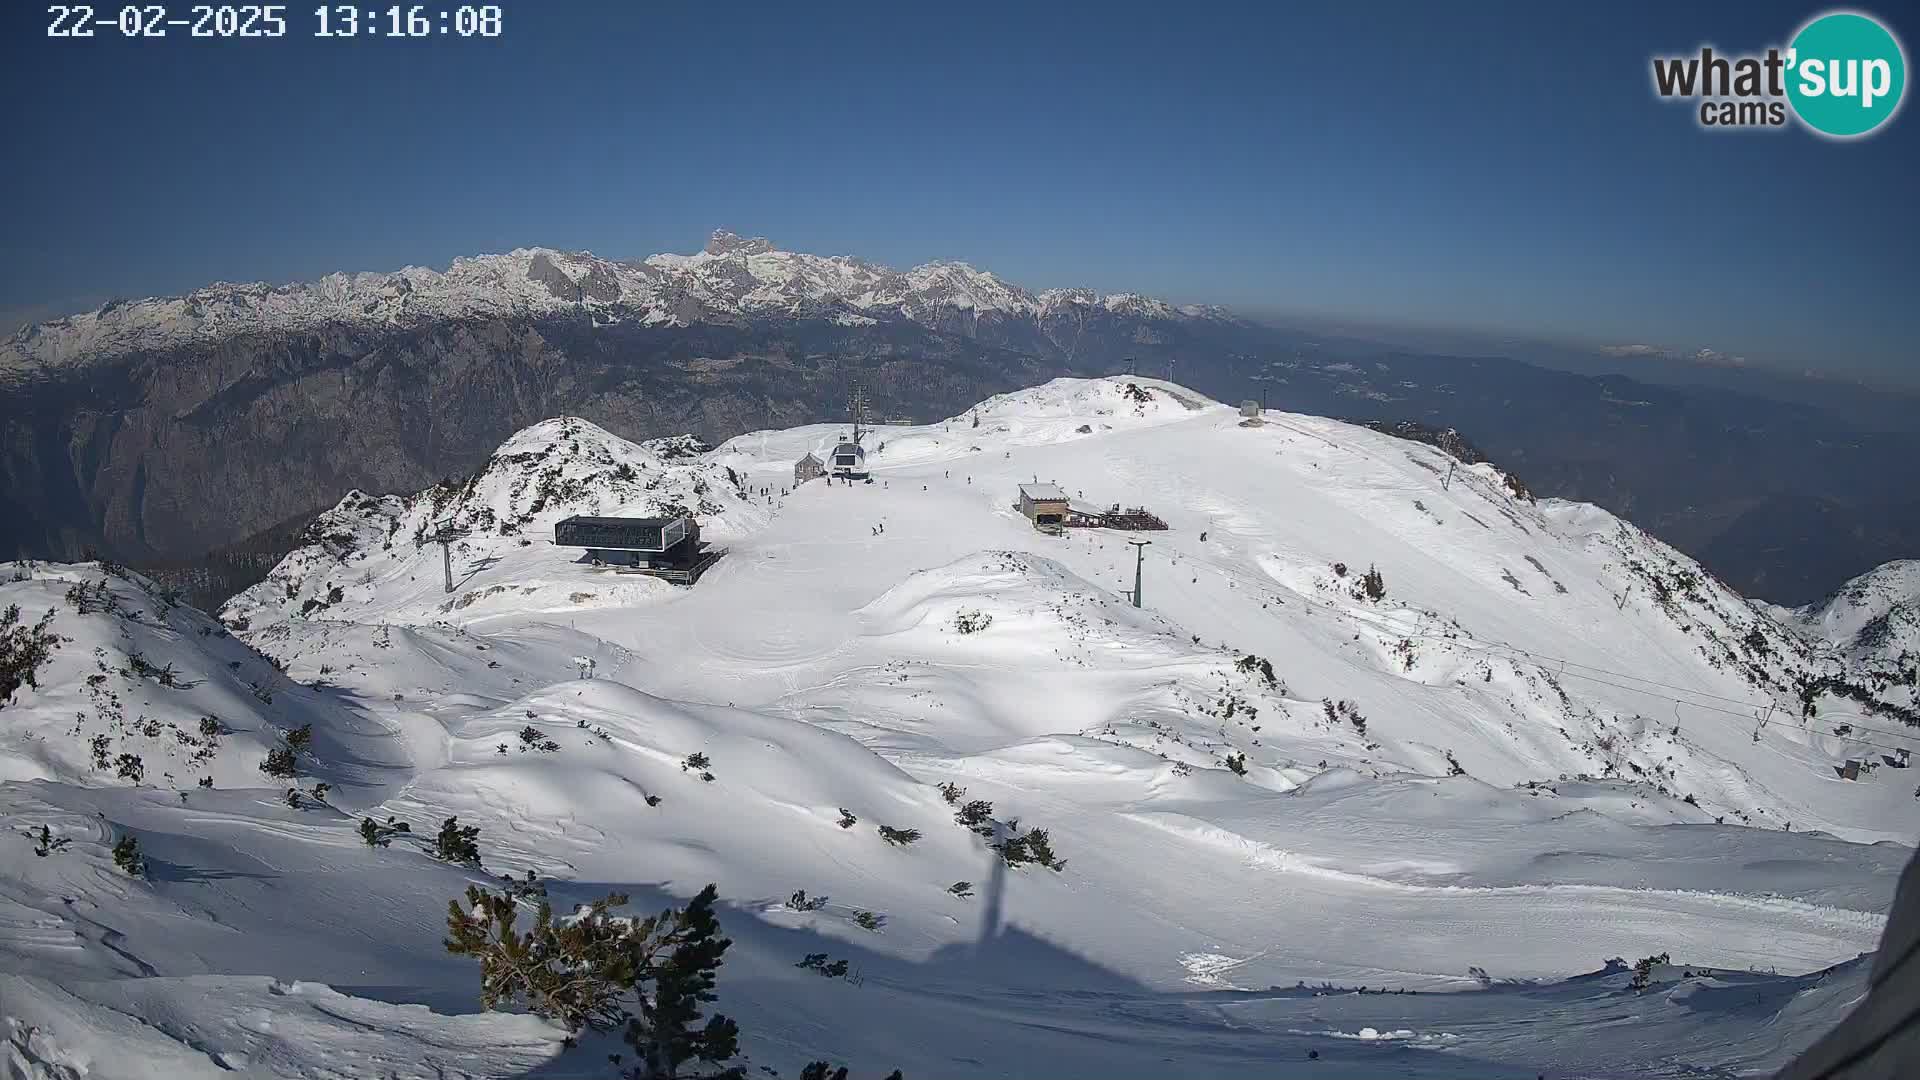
(1846,74)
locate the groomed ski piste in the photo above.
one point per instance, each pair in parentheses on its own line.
(1305,831)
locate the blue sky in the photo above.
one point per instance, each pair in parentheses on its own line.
(1493,166)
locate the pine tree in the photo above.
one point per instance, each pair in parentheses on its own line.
(23,649)
(1040,847)
(603,972)
(977,816)
(280,764)
(126,856)
(663,1033)
(1643,970)
(898,836)
(457,843)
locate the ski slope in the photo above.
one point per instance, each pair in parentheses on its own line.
(1552,742)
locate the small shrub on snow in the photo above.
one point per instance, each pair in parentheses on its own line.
(800,901)
(898,836)
(977,816)
(696,761)
(952,792)
(46,843)
(817,962)
(1032,846)
(528,887)
(1256,665)
(1643,971)
(1237,762)
(961,889)
(1040,848)
(129,767)
(824,1070)
(1454,768)
(972,622)
(847,820)
(87,599)
(300,739)
(531,738)
(869,920)
(457,843)
(126,856)
(280,764)
(377,835)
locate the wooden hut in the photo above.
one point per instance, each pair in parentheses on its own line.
(1044,504)
(808,468)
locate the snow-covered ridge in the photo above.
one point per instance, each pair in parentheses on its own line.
(373,557)
(733,277)
(1522,751)
(1452,622)
(1875,615)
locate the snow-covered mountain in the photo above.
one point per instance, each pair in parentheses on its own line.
(1876,615)
(1538,740)
(731,279)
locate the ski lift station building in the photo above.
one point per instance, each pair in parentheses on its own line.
(850,459)
(664,547)
(1044,504)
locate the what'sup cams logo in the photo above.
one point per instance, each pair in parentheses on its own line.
(1843,76)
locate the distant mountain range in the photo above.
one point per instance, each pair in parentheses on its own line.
(161,430)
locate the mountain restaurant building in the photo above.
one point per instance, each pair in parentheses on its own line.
(1044,504)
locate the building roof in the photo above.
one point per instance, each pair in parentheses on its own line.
(1085,508)
(580,519)
(1043,492)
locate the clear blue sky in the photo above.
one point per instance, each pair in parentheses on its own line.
(1476,165)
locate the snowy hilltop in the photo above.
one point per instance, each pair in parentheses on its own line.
(730,279)
(1391,768)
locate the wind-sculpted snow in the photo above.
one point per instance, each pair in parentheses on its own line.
(1533,749)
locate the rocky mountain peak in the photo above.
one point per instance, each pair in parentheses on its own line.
(723,242)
